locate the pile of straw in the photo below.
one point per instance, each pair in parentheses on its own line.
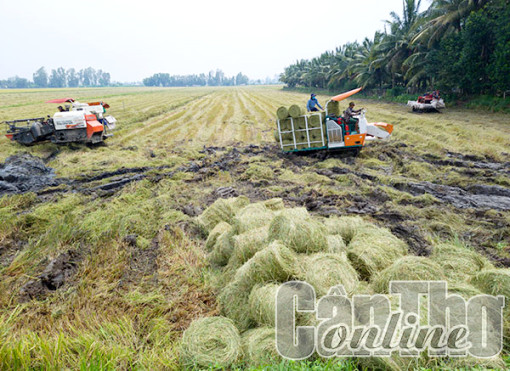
(408,268)
(324,271)
(457,262)
(251,217)
(374,249)
(275,263)
(336,244)
(246,245)
(262,304)
(222,250)
(274,204)
(233,300)
(266,244)
(345,226)
(493,281)
(222,210)
(259,347)
(211,341)
(217,231)
(299,230)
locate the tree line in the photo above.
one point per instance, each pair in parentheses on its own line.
(59,78)
(217,78)
(456,46)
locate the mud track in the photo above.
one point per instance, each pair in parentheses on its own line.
(476,202)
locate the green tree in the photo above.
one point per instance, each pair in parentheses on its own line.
(40,78)
(58,78)
(73,79)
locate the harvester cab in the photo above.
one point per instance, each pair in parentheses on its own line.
(329,130)
(77,122)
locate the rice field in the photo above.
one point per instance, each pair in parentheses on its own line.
(121,224)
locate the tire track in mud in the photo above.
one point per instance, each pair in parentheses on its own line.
(375,203)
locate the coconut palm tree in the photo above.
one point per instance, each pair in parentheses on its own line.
(446,16)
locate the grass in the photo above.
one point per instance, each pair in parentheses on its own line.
(125,308)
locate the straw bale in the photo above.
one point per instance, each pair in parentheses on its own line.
(274,204)
(211,341)
(333,108)
(246,245)
(274,263)
(222,250)
(323,271)
(215,233)
(222,210)
(336,244)
(299,231)
(295,111)
(262,304)
(374,249)
(457,262)
(282,113)
(252,216)
(408,268)
(259,347)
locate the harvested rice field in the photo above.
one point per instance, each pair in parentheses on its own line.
(139,252)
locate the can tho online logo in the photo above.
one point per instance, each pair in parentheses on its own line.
(416,316)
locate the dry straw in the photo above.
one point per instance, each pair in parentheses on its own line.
(299,230)
(345,226)
(233,301)
(222,250)
(324,271)
(458,263)
(211,341)
(372,249)
(496,282)
(274,204)
(262,304)
(215,233)
(408,268)
(275,263)
(295,111)
(282,113)
(493,281)
(259,347)
(222,210)
(246,245)
(336,244)
(251,217)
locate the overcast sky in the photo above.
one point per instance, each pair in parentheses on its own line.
(135,39)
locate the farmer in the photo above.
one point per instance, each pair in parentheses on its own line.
(312,102)
(349,113)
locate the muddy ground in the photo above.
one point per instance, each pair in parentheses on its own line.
(346,187)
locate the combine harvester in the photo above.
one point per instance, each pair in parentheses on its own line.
(430,102)
(77,122)
(326,131)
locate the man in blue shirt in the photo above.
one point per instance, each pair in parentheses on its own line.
(312,102)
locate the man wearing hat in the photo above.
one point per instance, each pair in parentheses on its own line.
(348,115)
(312,102)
